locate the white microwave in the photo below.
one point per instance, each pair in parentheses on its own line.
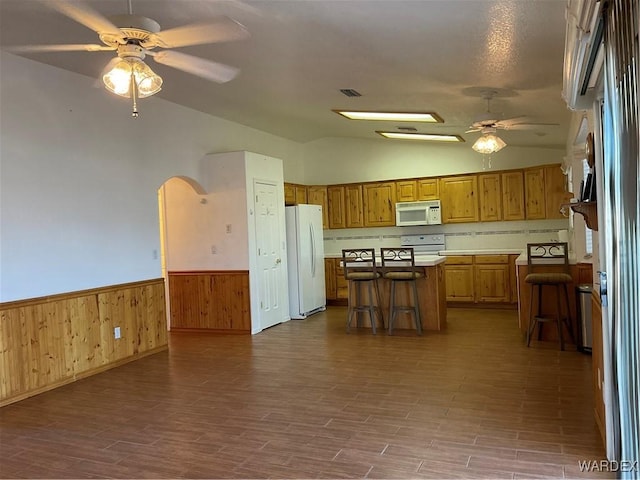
(418,213)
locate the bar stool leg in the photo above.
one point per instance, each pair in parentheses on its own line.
(568,317)
(392,311)
(416,309)
(559,318)
(372,311)
(532,321)
(379,302)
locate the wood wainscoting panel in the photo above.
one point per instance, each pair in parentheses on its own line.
(50,341)
(210,300)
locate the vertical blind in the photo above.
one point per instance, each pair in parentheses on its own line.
(621,187)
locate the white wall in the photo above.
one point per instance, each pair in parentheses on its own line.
(344,160)
(79,177)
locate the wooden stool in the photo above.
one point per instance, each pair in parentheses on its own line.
(359,269)
(398,265)
(548,265)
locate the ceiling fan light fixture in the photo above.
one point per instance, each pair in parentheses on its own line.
(118,79)
(427,117)
(488,143)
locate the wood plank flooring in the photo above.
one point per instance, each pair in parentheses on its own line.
(306,400)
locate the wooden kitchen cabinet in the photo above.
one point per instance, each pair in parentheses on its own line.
(513,207)
(459,278)
(336,206)
(555,191)
(535,206)
(330,278)
(489,187)
(459,199)
(428,189)
(294,194)
(379,204)
(406,190)
(317,195)
(492,284)
(354,207)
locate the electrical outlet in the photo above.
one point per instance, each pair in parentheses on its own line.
(214,250)
(155,254)
(228,228)
(116,332)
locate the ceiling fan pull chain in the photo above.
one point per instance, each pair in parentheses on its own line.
(134,87)
(130,7)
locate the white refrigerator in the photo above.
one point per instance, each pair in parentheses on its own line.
(305,260)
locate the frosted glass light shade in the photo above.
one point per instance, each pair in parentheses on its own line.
(488,143)
(118,79)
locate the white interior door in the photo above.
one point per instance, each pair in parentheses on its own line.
(269,254)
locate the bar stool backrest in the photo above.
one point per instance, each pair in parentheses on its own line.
(358,260)
(543,257)
(398,259)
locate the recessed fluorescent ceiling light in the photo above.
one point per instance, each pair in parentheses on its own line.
(432,137)
(428,117)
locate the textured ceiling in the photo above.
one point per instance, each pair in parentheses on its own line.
(400,55)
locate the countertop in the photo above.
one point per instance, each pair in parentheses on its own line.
(421,260)
(486,251)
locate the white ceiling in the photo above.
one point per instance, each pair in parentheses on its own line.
(420,55)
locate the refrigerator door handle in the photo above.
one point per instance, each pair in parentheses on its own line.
(313,250)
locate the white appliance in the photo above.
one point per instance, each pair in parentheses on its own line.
(426,212)
(305,260)
(423,245)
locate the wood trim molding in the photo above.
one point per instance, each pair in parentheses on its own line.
(77,293)
(209,272)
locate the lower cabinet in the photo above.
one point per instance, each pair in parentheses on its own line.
(481,279)
(459,278)
(492,279)
(336,286)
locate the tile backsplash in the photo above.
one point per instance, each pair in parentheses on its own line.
(464,236)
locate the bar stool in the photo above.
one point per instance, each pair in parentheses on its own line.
(548,265)
(359,269)
(398,265)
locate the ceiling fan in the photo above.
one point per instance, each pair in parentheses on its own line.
(489,120)
(488,124)
(133,37)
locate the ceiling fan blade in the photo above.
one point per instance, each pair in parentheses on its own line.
(216,72)
(473,130)
(82,13)
(526,126)
(220,29)
(59,48)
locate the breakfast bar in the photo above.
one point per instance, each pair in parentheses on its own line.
(431,296)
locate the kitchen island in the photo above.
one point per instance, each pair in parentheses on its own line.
(431,296)
(581,274)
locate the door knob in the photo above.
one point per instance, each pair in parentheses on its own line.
(278,261)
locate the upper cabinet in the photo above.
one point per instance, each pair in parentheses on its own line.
(317,195)
(354,206)
(379,204)
(530,193)
(406,190)
(555,191)
(545,192)
(490,197)
(534,193)
(459,199)
(336,206)
(513,195)
(428,189)
(294,194)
